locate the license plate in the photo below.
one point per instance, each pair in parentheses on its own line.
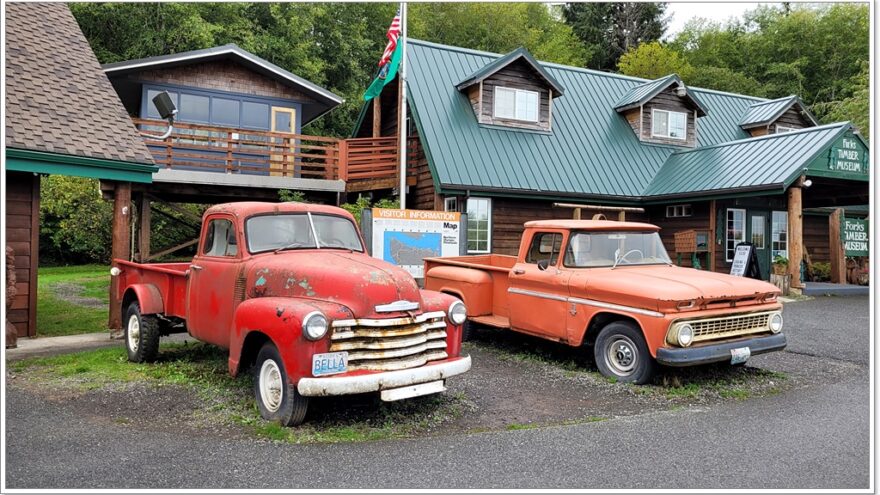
(739,355)
(330,363)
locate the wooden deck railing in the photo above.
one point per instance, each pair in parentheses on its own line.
(245,151)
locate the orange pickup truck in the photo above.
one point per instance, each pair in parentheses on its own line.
(611,285)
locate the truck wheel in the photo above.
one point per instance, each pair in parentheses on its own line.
(141,335)
(277,399)
(621,353)
(467,330)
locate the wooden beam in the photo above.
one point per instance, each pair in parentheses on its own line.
(621,216)
(35,257)
(172,249)
(600,208)
(835,247)
(120,249)
(144,221)
(182,211)
(377,116)
(795,235)
(712,227)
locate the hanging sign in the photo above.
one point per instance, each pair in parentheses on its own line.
(854,233)
(848,156)
(745,261)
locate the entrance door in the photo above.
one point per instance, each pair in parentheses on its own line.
(758,232)
(283,120)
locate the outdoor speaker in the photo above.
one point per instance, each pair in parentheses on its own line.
(164,105)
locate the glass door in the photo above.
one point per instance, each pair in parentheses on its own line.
(283,161)
(759,235)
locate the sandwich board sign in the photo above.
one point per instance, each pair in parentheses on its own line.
(745,261)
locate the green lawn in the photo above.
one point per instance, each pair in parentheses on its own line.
(72,299)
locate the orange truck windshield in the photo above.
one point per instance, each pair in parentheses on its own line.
(591,250)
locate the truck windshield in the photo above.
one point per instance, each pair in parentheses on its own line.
(590,250)
(299,231)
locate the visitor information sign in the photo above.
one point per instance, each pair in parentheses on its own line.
(406,237)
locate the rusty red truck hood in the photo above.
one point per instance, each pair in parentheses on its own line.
(354,280)
(661,287)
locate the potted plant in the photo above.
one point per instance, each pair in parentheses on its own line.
(780,265)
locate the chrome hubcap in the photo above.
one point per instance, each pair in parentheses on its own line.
(134,333)
(271,385)
(621,356)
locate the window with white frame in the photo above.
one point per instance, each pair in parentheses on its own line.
(784,128)
(516,104)
(673,211)
(479,225)
(758,231)
(779,234)
(669,124)
(735,231)
(450,204)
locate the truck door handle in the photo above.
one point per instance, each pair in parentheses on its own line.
(518,271)
(195,267)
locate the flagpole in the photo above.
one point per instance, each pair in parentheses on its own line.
(401,130)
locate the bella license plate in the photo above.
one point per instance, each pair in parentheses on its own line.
(329,363)
(739,355)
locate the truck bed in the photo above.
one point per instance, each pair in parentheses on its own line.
(480,280)
(493,262)
(170,279)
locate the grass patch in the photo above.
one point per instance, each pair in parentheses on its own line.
(226,400)
(57,316)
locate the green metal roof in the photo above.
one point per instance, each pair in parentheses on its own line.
(764,113)
(591,151)
(641,94)
(763,163)
(501,62)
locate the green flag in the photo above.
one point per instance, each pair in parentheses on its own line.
(386,75)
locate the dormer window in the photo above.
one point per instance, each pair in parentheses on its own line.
(669,124)
(517,104)
(782,128)
(777,116)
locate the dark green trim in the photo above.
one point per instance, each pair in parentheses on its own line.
(708,195)
(42,162)
(456,190)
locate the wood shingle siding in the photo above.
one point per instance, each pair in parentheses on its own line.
(22,235)
(518,75)
(668,100)
(792,118)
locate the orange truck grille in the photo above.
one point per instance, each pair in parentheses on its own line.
(730,326)
(391,344)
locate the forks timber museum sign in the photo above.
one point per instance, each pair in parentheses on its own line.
(854,232)
(848,155)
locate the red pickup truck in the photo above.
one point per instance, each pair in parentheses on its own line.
(290,289)
(612,286)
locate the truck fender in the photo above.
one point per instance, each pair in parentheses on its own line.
(600,319)
(474,287)
(148,296)
(279,320)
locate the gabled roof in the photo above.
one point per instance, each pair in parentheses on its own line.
(763,163)
(591,152)
(58,101)
(327,99)
(765,113)
(641,94)
(502,62)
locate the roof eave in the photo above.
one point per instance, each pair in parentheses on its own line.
(502,62)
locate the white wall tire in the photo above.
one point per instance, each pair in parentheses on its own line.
(277,399)
(141,335)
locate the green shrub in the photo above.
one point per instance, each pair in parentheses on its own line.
(821,272)
(364,202)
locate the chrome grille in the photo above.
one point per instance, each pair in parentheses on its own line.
(391,344)
(730,326)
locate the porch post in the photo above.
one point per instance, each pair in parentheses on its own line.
(144,221)
(120,249)
(795,233)
(835,247)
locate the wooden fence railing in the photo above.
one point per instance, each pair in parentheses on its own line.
(245,151)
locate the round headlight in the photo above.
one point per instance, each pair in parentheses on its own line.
(776,322)
(457,313)
(685,335)
(314,325)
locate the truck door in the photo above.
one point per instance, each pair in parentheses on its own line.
(212,278)
(538,293)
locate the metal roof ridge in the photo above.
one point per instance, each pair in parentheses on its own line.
(777,100)
(573,68)
(805,130)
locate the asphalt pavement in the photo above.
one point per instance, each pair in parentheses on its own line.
(810,437)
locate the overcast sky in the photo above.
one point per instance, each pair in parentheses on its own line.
(681,12)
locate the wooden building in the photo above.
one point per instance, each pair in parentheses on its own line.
(505,138)
(58,121)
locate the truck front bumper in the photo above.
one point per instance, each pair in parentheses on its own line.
(374,382)
(715,353)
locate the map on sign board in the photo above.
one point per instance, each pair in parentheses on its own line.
(406,237)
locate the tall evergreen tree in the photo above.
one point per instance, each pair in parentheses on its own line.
(608,30)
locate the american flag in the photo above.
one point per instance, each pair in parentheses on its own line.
(393,34)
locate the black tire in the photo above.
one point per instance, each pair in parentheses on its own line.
(291,408)
(141,335)
(467,330)
(621,353)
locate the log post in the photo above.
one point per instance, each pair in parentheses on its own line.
(835,247)
(143,237)
(712,226)
(795,234)
(120,249)
(342,160)
(377,116)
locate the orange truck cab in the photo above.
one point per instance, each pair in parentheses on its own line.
(612,286)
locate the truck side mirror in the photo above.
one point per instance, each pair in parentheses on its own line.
(543,264)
